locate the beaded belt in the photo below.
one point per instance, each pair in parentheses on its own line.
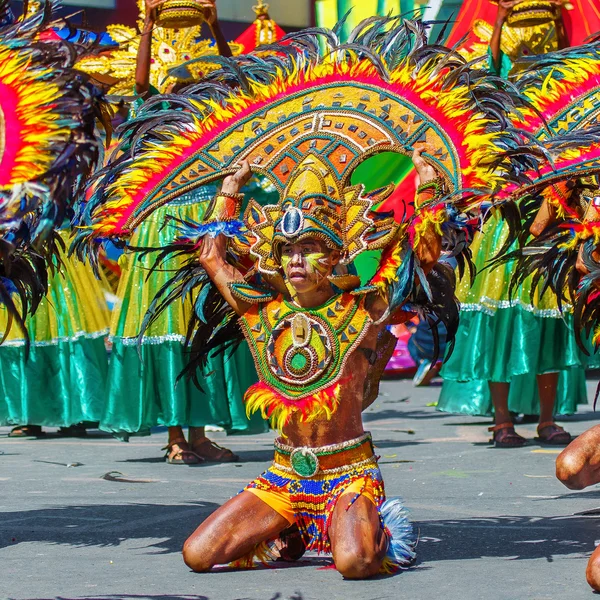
(335,458)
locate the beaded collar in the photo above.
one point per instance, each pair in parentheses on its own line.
(300,354)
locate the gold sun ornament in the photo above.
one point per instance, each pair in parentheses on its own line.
(522,37)
(170,48)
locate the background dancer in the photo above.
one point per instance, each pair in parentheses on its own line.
(60,381)
(53,365)
(578,467)
(513,353)
(143,391)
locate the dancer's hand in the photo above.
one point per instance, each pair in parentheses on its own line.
(545,216)
(210,11)
(504,9)
(233,183)
(151,6)
(425,171)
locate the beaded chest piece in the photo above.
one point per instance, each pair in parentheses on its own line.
(300,354)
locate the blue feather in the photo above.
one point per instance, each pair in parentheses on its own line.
(403,285)
(9,286)
(194,231)
(200,300)
(403,540)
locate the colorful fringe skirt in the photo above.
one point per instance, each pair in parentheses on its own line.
(143,390)
(62,382)
(509,338)
(304,485)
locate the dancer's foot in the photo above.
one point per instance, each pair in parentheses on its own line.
(293,546)
(289,546)
(552,434)
(209,451)
(425,373)
(179,453)
(505,436)
(26,431)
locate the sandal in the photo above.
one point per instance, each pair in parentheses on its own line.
(557,436)
(288,547)
(292,546)
(183,456)
(22,431)
(209,451)
(506,437)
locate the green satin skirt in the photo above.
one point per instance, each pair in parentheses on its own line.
(143,390)
(509,338)
(58,386)
(62,383)
(474,398)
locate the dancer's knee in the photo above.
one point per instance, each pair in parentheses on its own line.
(569,469)
(358,564)
(592,572)
(197,554)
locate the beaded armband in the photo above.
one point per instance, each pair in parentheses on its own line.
(430,214)
(430,190)
(581,232)
(224,207)
(249,293)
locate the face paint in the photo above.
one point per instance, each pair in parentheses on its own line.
(318,262)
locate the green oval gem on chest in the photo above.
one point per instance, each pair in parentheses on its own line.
(298,361)
(304,462)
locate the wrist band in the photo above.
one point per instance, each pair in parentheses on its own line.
(436,185)
(224,207)
(237,196)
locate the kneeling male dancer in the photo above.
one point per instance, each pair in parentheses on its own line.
(319,353)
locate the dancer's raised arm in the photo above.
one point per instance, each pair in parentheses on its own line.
(213,250)
(428,246)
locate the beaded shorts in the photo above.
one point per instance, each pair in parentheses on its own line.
(310,501)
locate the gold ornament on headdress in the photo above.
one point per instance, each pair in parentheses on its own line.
(514,41)
(265,27)
(317,204)
(170,48)
(176,14)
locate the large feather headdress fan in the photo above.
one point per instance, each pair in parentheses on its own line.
(47,118)
(47,149)
(386,90)
(562,198)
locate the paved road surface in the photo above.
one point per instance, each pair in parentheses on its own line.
(493,523)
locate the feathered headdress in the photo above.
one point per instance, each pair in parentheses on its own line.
(305,114)
(386,90)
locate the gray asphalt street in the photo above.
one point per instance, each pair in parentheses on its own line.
(100,519)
